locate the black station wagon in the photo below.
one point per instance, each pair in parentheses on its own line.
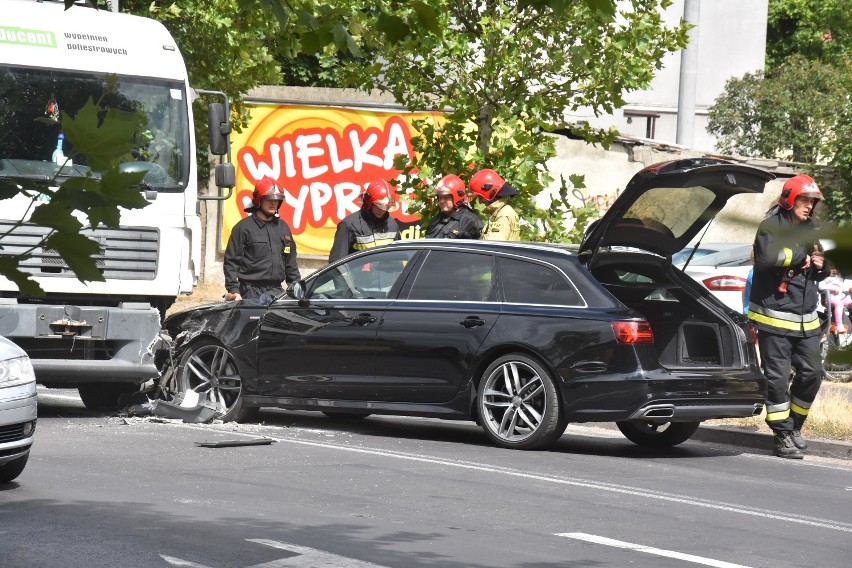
(522,338)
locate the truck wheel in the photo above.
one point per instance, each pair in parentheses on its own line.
(209,369)
(518,404)
(104,396)
(657,435)
(12,469)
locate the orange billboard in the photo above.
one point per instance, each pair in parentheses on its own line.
(322,158)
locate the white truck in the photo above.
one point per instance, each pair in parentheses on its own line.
(96,336)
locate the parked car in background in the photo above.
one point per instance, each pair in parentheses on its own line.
(18,405)
(520,337)
(723,273)
(700,249)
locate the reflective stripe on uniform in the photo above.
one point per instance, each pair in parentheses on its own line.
(776,412)
(783,320)
(785,257)
(800,407)
(363,242)
(778,407)
(778,416)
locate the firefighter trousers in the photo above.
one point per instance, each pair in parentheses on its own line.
(788,404)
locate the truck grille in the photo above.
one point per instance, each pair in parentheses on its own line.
(125,253)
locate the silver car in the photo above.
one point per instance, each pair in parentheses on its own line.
(18,405)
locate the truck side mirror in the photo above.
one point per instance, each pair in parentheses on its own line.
(226,175)
(218,129)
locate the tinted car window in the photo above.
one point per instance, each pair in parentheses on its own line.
(455,277)
(533,283)
(371,276)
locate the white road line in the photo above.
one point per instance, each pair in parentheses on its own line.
(650,550)
(576,482)
(172,561)
(311,557)
(305,558)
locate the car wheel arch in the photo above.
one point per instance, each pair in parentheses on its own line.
(486,359)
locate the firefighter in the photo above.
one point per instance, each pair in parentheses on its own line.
(261,252)
(370,227)
(788,263)
(502,224)
(455,220)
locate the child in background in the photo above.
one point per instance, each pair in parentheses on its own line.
(839,293)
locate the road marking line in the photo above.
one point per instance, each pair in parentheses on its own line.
(575,482)
(650,550)
(171,560)
(311,557)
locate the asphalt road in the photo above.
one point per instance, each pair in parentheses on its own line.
(395,492)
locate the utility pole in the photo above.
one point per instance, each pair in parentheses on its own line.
(688,77)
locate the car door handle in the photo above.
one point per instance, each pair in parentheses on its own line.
(472,321)
(364,319)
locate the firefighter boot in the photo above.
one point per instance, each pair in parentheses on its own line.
(785,448)
(798,441)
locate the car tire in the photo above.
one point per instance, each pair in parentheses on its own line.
(11,470)
(104,396)
(518,404)
(663,435)
(346,415)
(208,368)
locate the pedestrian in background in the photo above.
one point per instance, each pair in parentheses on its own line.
(788,264)
(261,252)
(455,218)
(839,298)
(503,222)
(369,227)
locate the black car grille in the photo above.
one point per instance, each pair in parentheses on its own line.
(125,253)
(11,433)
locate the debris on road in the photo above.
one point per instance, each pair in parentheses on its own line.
(236,443)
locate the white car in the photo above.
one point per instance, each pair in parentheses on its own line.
(724,273)
(18,405)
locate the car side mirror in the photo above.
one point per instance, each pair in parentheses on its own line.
(296,290)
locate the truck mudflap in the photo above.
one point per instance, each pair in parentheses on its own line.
(71,344)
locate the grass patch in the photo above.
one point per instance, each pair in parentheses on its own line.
(830,416)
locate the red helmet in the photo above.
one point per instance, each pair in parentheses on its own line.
(454,186)
(486,184)
(379,193)
(266,188)
(800,185)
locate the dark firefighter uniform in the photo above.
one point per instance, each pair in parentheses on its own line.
(462,223)
(362,230)
(259,256)
(783,308)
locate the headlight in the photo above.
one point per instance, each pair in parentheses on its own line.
(18,371)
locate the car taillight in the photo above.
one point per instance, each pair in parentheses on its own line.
(752,334)
(633,332)
(725,283)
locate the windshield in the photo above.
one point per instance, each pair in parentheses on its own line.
(30,103)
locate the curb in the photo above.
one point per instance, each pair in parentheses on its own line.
(763,441)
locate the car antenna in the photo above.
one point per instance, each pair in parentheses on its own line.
(697,244)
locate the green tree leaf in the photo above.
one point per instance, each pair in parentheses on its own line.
(104,141)
(78,251)
(9,268)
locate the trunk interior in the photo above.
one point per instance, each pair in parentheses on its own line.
(687,334)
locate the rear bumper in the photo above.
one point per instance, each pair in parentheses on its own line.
(660,396)
(695,411)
